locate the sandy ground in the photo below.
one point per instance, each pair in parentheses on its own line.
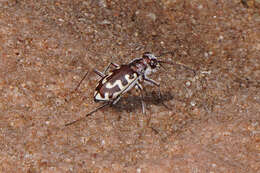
(213,124)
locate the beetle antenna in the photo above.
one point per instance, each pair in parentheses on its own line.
(180,64)
(165,53)
(172,63)
(88,114)
(162,66)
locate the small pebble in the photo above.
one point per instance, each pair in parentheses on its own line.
(192,103)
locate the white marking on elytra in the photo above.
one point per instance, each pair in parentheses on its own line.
(116,83)
(106,96)
(99,97)
(104,80)
(127,77)
(133,82)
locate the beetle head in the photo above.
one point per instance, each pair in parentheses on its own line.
(151,60)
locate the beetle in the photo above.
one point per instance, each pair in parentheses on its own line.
(113,85)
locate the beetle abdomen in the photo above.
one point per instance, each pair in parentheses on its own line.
(115,83)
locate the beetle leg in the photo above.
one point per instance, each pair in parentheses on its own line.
(99,73)
(104,73)
(150,81)
(116,100)
(113,64)
(140,88)
(90,113)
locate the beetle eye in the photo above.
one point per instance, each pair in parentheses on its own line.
(146,54)
(153,64)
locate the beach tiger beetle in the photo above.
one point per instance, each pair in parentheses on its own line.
(122,78)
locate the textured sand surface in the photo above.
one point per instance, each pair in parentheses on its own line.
(213,124)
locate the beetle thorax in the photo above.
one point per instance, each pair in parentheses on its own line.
(151,63)
(148,70)
(144,66)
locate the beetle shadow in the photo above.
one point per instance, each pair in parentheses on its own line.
(131,103)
